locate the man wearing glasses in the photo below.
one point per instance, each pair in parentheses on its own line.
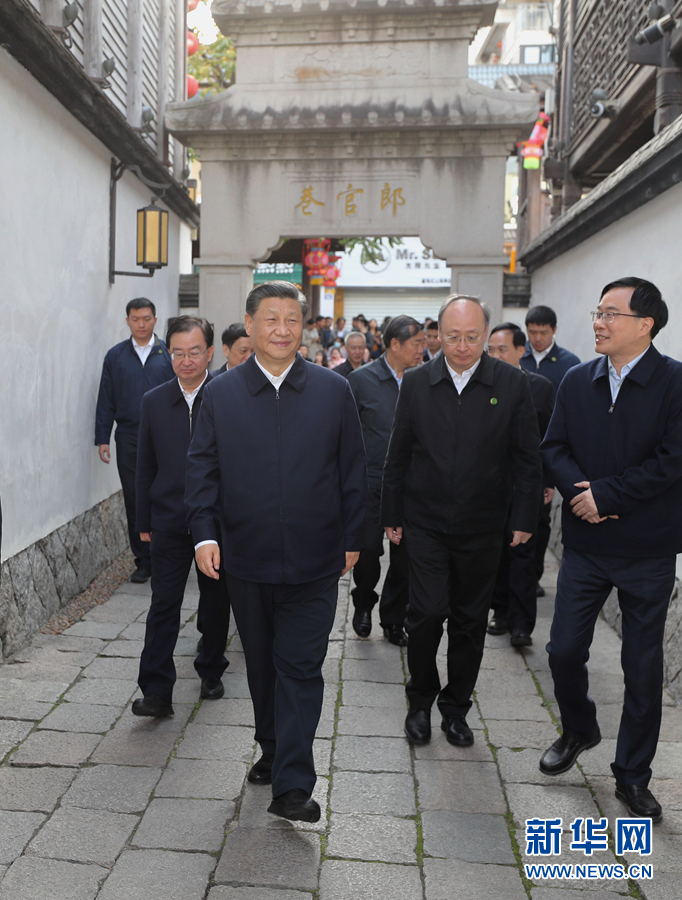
(614,450)
(169,415)
(463,450)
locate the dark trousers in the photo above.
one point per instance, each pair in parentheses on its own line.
(542,539)
(126,460)
(284,630)
(172,558)
(644,590)
(514,597)
(451,577)
(367,570)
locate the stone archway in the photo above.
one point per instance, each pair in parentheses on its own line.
(351,117)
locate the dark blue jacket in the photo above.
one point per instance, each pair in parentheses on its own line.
(376,394)
(630,451)
(124,383)
(554,366)
(166,427)
(283,471)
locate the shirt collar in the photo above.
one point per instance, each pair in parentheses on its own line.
(393,371)
(627,368)
(144,347)
(540,355)
(275,380)
(191,394)
(466,374)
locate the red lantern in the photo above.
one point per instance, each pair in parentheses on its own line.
(192,86)
(192,43)
(316,258)
(192,5)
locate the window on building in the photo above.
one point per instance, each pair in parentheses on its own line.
(536,54)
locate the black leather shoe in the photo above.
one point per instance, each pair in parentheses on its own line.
(520,639)
(141,574)
(564,752)
(395,634)
(539,591)
(362,623)
(639,801)
(295,805)
(497,625)
(261,771)
(457,731)
(418,726)
(212,689)
(153,705)
(200,644)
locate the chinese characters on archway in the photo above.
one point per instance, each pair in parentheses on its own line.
(350,201)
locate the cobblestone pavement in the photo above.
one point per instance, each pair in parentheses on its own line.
(97,803)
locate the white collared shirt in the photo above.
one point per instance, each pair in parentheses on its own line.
(191,397)
(461,381)
(275,380)
(539,355)
(615,380)
(143,352)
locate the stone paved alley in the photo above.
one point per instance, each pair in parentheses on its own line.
(96,803)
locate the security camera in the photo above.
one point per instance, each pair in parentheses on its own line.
(601,105)
(655,32)
(600,110)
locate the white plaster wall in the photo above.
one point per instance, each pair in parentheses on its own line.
(646,244)
(59,312)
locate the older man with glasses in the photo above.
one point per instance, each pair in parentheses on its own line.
(463,450)
(614,450)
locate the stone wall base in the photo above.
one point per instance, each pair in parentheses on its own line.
(37,582)
(672,641)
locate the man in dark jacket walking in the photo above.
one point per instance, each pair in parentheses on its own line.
(168,419)
(515,598)
(465,436)
(272,433)
(614,449)
(375,388)
(130,369)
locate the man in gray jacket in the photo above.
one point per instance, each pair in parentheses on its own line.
(375,388)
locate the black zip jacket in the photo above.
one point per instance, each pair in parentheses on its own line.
(454,460)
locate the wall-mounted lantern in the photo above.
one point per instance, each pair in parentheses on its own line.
(152,227)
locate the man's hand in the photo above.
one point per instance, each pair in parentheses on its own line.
(104,453)
(585,506)
(520,537)
(395,535)
(548,495)
(146,536)
(208,560)
(351,559)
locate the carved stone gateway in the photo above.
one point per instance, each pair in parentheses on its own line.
(351,117)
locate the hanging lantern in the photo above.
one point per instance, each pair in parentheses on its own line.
(316,258)
(192,43)
(192,5)
(152,236)
(192,87)
(532,150)
(332,272)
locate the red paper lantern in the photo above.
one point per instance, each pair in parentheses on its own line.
(192,43)
(192,5)
(192,86)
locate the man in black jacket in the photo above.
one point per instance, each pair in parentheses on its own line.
(515,598)
(237,347)
(130,369)
(168,419)
(273,433)
(355,347)
(614,449)
(465,435)
(375,388)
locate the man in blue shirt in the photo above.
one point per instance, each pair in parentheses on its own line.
(614,450)
(130,369)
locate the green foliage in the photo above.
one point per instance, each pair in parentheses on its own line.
(213,65)
(372,249)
